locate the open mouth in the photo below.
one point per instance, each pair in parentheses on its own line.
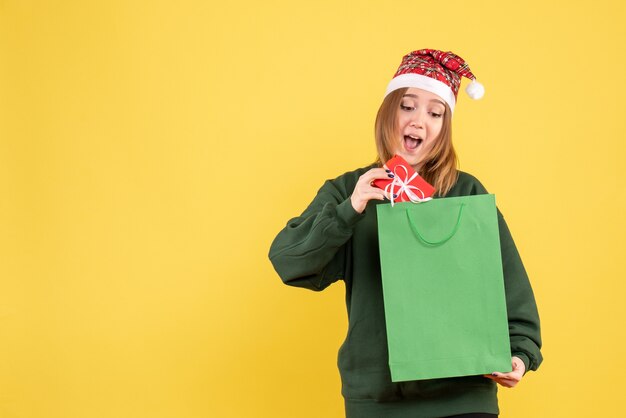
(412,142)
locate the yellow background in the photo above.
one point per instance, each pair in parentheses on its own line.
(151,150)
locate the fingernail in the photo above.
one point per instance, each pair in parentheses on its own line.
(390,175)
(395,195)
(494,374)
(388,171)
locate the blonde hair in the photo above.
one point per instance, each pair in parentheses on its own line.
(440,165)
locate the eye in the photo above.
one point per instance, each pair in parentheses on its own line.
(407,108)
(435,115)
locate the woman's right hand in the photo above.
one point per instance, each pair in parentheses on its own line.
(364,191)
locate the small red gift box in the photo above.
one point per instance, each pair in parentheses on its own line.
(407,185)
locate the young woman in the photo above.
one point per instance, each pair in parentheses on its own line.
(335,238)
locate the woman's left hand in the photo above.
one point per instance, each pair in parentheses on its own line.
(510,379)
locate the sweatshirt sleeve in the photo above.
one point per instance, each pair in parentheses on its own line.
(523,317)
(524,325)
(311,251)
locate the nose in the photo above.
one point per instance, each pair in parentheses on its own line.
(417,120)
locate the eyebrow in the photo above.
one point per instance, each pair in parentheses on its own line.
(416,96)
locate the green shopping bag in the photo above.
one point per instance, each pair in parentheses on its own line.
(443,288)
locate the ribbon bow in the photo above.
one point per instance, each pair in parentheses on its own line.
(404,186)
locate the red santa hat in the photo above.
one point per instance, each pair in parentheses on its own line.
(437,72)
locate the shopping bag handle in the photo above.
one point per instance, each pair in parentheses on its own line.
(427,242)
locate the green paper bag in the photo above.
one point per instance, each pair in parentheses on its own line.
(443,288)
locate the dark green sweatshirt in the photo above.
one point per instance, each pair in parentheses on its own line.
(330,241)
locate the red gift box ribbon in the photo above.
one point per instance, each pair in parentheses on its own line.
(401,183)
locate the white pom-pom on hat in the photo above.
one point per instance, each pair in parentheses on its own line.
(475,90)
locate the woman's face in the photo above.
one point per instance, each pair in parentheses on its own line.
(420,118)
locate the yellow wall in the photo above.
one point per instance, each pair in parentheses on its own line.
(151,150)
